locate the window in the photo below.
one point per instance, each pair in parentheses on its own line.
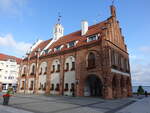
(33,70)
(40,86)
(6,72)
(66,87)
(119,60)
(52,87)
(91,60)
(91,38)
(46,51)
(122,61)
(58,48)
(73,66)
(53,69)
(23,85)
(45,70)
(112,57)
(24,70)
(67,67)
(125,65)
(72,87)
(44,88)
(71,44)
(57,87)
(116,58)
(58,68)
(40,71)
(31,85)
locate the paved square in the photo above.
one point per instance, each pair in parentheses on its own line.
(62,104)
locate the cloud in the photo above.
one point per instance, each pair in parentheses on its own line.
(145,49)
(13,7)
(8,41)
(140,65)
(140,74)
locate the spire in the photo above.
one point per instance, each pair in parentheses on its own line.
(113,9)
(59,18)
(113,1)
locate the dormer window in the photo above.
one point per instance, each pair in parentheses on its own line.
(91,38)
(49,50)
(71,44)
(46,51)
(43,53)
(58,48)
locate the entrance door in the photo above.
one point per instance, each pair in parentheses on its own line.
(93,86)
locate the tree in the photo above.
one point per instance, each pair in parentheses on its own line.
(140,90)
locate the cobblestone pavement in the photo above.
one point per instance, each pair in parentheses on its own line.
(141,106)
(61,104)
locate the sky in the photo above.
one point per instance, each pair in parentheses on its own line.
(23,22)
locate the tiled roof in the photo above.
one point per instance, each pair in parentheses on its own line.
(4,57)
(75,36)
(41,46)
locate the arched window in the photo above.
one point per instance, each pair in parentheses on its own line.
(24,71)
(73,66)
(40,71)
(45,70)
(33,70)
(57,87)
(91,60)
(72,87)
(66,87)
(52,87)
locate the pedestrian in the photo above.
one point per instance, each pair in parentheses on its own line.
(6,98)
(146,94)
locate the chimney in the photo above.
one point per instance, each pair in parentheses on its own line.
(113,10)
(84,26)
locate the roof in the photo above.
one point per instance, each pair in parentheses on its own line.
(75,36)
(4,57)
(41,46)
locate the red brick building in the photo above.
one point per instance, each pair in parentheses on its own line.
(93,61)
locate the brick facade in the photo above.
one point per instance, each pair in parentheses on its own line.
(101,66)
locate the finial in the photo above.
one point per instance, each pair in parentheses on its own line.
(113,1)
(59,17)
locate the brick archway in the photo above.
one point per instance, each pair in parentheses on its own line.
(93,86)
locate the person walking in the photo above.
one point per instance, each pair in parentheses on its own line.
(146,94)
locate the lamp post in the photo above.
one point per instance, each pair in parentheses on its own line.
(36,70)
(76,83)
(28,69)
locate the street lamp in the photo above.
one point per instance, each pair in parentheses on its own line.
(28,69)
(36,69)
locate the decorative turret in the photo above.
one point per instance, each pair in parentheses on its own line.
(58,30)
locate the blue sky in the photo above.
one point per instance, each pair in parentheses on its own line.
(22,22)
